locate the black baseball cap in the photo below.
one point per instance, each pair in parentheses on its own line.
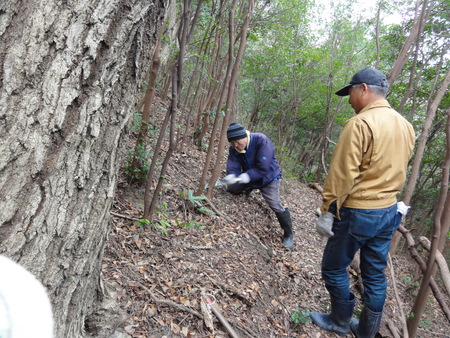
(369,76)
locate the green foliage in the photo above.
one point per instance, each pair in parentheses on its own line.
(410,284)
(137,162)
(196,202)
(163,224)
(299,52)
(143,223)
(190,224)
(425,323)
(300,317)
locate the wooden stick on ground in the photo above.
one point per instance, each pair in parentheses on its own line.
(397,298)
(211,302)
(393,328)
(169,302)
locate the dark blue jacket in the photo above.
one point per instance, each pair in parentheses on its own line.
(259,161)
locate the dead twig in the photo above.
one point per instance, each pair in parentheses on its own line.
(393,328)
(199,247)
(210,302)
(124,216)
(215,209)
(169,302)
(397,298)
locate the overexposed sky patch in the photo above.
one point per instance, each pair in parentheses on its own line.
(326,10)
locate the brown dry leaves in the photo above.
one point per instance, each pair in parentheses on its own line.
(238,259)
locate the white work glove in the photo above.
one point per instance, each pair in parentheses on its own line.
(402,208)
(244,178)
(324,224)
(230,179)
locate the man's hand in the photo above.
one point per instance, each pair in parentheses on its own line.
(324,224)
(230,179)
(244,178)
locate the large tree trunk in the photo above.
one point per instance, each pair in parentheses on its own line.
(69,75)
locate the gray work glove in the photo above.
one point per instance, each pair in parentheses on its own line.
(324,224)
(244,178)
(230,179)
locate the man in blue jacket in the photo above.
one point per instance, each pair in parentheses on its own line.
(252,165)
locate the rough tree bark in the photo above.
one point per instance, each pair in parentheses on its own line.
(69,76)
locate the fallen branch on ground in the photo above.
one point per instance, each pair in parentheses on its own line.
(423,266)
(445,274)
(393,328)
(397,298)
(210,302)
(124,216)
(169,302)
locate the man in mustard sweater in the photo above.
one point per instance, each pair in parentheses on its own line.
(359,210)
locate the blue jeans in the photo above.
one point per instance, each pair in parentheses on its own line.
(367,230)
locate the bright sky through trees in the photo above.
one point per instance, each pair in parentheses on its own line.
(361,9)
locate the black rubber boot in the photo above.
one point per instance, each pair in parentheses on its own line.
(284,218)
(338,321)
(367,325)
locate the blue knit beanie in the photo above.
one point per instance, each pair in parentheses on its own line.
(235,132)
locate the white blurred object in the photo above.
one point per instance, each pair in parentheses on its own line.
(245,178)
(230,179)
(25,309)
(402,208)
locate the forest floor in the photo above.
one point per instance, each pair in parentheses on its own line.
(159,276)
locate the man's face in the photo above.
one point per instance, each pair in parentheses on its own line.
(358,97)
(240,144)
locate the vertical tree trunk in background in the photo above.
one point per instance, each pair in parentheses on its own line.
(440,215)
(69,76)
(377,34)
(177,85)
(414,35)
(147,103)
(243,41)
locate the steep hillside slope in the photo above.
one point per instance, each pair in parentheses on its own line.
(235,255)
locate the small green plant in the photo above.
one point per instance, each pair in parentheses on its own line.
(409,282)
(137,162)
(196,202)
(425,323)
(143,222)
(358,311)
(162,225)
(190,224)
(300,317)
